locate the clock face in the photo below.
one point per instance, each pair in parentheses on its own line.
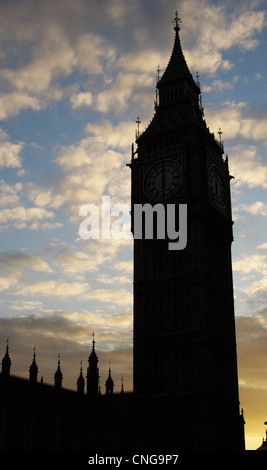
(217,186)
(163,180)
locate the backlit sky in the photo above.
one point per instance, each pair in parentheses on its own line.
(74,76)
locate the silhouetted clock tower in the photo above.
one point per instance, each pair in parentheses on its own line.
(185,362)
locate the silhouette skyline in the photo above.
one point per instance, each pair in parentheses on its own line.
(185,366)
(55,290)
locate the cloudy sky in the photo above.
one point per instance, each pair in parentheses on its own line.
(74,77)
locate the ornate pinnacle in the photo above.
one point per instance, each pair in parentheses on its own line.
(176,22)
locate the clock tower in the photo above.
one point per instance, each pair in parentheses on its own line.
(185,364)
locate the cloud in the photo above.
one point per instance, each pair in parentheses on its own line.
(251,262)
(9,152)
(55,288)
(214,32)
(81,99)
(20,217)
(12,103)
(85,164)
(94,53)
(251,334)
(70,333)
(40,196)
(8,281)
(9,194)
(125,89)
(256,208)
(111,296)
(26,306)
(229,118)
(237,120)
(14,260)
(105,279)
(115,136)
(75,262)
(257,286)
(220,85)
(252,172)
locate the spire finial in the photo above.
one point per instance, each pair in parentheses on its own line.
(220,134)
(138,122)
(93,341)
(176,22)
(6,361)
(33,368)
(7,345)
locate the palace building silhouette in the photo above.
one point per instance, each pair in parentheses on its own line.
(185,394)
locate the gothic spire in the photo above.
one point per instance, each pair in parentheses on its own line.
(58,377)
(122,388)
(33,370)
(80,382)
(177,66)
(109,383)
(92,372)
(6,361)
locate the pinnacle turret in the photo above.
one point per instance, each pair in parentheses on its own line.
(92,372)
(33,370)
(109,383)
(58,377)
(6,361)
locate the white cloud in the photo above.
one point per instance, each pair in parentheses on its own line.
(115,136)
(215,31)
(256,208)
(52,57)
(249,263)
(94,54)
(9,152)
(41,196)
(12,103)
(9,195)
(256,287)
(228,118)
(252,171)
(19,216)
(81,99)
(263,246)
(22,305)
(105,279)
(55,288)
(122,91)
(93,169)
(111,296)
(10,280)
(75,262)
(15,260)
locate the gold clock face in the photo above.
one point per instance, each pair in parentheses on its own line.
(217,186)
(163,180)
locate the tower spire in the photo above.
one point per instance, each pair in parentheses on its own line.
(177,67)
(92,371)
(80,381)
(58,377)
(6,361)
(109,383)
(33,368)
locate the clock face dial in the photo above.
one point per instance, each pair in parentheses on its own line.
(163,180)
(217,186)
